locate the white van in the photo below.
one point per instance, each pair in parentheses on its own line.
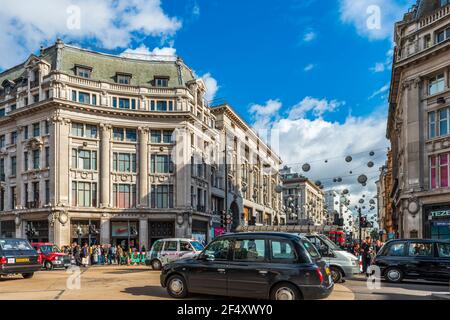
(342,263)
(165,251)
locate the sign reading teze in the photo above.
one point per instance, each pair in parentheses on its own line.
(443,213)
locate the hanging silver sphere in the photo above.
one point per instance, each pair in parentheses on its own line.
(362,179)
(306,167)
(318,183)
(348,159)
(361,201)
(372,153)
(370,164)
(339,179)
(345,191)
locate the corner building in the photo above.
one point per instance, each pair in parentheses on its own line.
(419,122)
(106,149)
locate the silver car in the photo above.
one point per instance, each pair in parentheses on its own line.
(165,251)
(342,263)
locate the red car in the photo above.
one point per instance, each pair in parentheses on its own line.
(51,255)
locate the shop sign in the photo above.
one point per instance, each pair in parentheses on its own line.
(442,213)
(442,223)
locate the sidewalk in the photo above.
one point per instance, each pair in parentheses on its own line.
(341,293)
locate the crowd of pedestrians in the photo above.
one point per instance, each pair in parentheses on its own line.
(366,251)
(105,255)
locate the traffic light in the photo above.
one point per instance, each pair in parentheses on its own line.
(223,219)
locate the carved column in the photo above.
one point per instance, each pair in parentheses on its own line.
(143,167)
(105,172)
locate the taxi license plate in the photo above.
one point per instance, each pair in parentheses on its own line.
(22,260)
(327,270)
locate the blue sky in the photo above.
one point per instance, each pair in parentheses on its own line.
(316,72)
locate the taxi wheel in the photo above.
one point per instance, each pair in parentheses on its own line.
(27,275)
(394,275)
(156,264)
(48,265)
(176,287)
(285,291)
(336,274)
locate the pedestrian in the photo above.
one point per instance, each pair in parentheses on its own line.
(94,255)
(114,253)
(378,246)
(85,255)
(120,255)
(366,252)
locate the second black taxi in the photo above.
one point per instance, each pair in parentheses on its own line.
(275,266)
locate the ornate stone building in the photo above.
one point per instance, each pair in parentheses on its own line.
(303,200)
(419,122)
(110,149)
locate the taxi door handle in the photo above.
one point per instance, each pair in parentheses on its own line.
(221,270)
(263,272)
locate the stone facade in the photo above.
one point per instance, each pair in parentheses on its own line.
(109,149)
(303,200)
(418,126)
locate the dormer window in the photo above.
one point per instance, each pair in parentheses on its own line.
(83,71)
(161,81)
(122,78)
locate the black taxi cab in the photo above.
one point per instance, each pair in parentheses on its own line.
(268,265)
(17,256)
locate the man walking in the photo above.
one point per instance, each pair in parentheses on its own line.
(366,252)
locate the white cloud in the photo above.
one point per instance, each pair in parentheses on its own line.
(211,86)
(325,144)
(309,36)
(309,67)
(111,24)
(387,64)
(317,107)
(378,67)
(373,19)
(144,53)
(263,115)
(382,90)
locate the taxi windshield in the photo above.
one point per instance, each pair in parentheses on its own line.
(49,249)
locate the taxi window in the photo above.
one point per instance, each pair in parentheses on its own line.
(420,249)
(171,246)
(396,249)
(157,247)
(444,250)
(218,250)
(282,251)
(185,246)
(249,250)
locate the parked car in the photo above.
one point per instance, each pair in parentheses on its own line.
(51,255)
(414,259)
(342,263)
(168,250)
(276,266)
(17,256)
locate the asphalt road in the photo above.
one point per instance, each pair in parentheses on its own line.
(141,283)
(407,290)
